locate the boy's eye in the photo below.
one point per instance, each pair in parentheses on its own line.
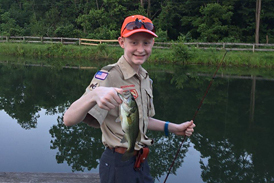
(147,42)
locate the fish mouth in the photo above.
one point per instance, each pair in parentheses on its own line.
(123,98)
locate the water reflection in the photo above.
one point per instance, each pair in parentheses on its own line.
(234,126)
(79,146)
(25,90)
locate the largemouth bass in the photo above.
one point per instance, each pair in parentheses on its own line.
(129,116)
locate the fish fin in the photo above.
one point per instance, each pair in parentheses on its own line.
(139,137)
(127,156)
(124,140)
(118,119)
(129,120)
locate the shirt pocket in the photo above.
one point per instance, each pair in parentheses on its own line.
(149,100)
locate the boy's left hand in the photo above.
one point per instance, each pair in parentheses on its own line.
(186,128)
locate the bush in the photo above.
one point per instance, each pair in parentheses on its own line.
(180,52)
(162,36)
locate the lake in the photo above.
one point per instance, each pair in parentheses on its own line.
(233,139)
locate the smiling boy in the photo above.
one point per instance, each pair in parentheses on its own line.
(98,107)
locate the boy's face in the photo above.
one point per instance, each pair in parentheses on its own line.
(137,48)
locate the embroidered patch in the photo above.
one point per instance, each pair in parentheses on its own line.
(134,93)
(101,75)
(93,85)
(128,86)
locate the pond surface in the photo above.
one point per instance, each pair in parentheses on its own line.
(233,140)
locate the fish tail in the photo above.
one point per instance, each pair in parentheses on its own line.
(127,155)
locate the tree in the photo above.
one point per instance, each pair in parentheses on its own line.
(209,20)
(258,14)
(9,26)
(214,23)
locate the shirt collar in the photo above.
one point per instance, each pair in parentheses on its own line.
(128,71)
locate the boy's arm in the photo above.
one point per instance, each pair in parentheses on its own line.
(185,128)
(105,97)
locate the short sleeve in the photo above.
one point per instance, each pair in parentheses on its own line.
(101,78)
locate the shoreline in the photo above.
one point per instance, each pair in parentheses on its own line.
(22,177)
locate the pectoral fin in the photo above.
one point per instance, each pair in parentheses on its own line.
(118,119)
(139,137)
(129,120)
(124,140)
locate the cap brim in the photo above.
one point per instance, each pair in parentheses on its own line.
(139,30)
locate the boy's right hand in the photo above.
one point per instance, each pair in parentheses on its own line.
(106,97)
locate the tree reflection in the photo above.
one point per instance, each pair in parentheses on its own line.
(233,148)
(80,146)
(162,153)
(228,141)
(24,91)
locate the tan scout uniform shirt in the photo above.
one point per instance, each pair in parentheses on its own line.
(122,75)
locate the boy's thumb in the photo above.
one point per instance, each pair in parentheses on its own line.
(190,122)
(119,90)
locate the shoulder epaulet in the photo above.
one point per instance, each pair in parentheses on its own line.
(108,67)
(103,73)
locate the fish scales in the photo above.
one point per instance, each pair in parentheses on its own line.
(129,116)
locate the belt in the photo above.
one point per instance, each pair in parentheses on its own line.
(140,155)
(122,150)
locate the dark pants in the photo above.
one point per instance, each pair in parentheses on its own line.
(113,170)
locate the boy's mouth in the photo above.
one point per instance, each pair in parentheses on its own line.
(139,56)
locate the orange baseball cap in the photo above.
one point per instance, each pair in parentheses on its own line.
(137,23)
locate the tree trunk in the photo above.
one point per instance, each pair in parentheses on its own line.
(252,99)
(97,4)
(148,9)
(258,13)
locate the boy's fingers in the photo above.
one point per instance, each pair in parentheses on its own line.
(116,97)
(119,90)
(191,124)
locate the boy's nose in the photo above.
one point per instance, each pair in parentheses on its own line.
(140,48)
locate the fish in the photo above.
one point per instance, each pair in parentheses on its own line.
(129,116)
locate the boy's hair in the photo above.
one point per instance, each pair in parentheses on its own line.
(137,23)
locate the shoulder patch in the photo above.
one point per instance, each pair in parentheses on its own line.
(101,75)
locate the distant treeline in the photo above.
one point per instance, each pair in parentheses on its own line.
(188,20)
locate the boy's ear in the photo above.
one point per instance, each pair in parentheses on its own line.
(121,41)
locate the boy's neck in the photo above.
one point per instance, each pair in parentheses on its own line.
(136,68)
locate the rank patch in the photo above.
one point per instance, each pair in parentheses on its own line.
(92,86)
(101,75)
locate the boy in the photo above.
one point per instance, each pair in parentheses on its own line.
(98,107)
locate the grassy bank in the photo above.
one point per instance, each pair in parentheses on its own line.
(178,54)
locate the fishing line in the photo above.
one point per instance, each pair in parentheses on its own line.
(178,150)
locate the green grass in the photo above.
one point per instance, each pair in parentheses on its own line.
(178,54)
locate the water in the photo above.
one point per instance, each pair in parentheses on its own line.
(233,140)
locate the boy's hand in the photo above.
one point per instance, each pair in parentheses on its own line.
(106,97)
(186,128)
